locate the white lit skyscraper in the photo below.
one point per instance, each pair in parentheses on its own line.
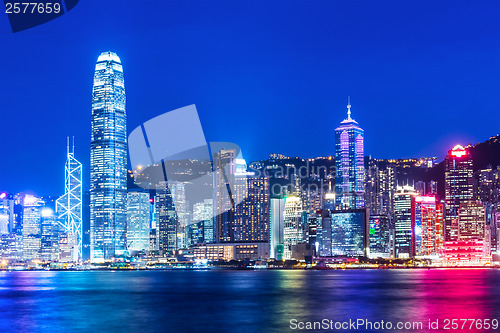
(138,220)
(349,164)
(404,210)
(108,161)
(69,205)
(32,226)
(293,226)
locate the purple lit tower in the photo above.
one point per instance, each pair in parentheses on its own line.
(349,163)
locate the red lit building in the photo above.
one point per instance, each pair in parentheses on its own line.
(458,187)
(466,235)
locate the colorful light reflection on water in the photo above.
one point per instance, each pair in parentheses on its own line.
(242,301)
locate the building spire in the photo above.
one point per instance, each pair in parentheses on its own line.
(348,107)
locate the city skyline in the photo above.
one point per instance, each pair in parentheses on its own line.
(403,222)
(389,86)
(261,166)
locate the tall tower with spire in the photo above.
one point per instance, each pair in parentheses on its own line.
(108,161)
(69,205)
(349,164)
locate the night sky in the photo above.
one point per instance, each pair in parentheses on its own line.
(271,76)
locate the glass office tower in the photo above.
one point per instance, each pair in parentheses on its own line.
(108,161)
(69,205)
(349,164)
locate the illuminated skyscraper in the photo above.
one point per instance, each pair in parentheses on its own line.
(277,219)
(32,226)
(252,214)
(178,190)
(231,185)
(471,247)
(204,212)
(471,221)
(108,160)
(428,227)
(458,187)
(69,205)
(138,220)
(6,214)
(379,236)
(405,221)
(166,219)
(225,169)
(49,247)
(380,185)
(349,163)
(293,225)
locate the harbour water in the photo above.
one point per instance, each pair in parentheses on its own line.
(243,301)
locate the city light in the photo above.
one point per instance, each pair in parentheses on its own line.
(458,151)
(47,212)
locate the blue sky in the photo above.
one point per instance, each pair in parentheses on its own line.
(271,76)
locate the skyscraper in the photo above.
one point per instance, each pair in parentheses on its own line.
(138,220)
(277,220)
(458,187)
(32,226)
(293,225)
(231,188)
(108,160)
(471,221)
(349,164)
(49,240)
(427,225)
(69,205)
(252,214)
(178,190)
(405,219)
(166,219)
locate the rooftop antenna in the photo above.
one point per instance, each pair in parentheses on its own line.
(73,145)
(349,107)
(67,145)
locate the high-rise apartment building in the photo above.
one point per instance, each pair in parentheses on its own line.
(108,161)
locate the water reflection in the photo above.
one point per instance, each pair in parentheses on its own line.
(243,301)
